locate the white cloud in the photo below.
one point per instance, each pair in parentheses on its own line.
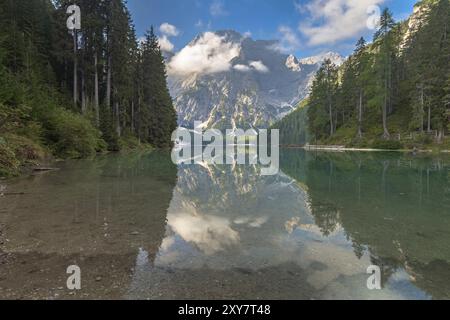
(289,40)
(253,65)
(165,44)
(241,68)
(211,234)
(331,21)
(209,54)
(247,34)
(259,66)
(169,30)
(217,8)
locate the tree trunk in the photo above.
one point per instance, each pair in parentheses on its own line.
(429,118)
(96,95)
(83,94)
(132,116)
(117,116)
(360,114)
(139,119)
(422,102)
(330,110)
(75,69)
(441,135)
(386,134)
(108,84)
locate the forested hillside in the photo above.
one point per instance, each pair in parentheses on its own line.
(391,93)
(72,95)
(294,127)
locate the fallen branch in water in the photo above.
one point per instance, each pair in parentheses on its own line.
(44,169)
(12,194)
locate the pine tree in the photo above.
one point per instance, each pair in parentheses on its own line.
(362,78)
(322,101)
(156,97)
(384,62)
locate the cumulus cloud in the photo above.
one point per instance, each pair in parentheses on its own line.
(289,40)
(169,30)
(165,44)
(211,234)
(330,21)
(241,68)
(217,8)
(259,66)
(253,65)
(209,54)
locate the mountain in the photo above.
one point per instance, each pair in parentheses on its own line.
(335,58)
(226,80)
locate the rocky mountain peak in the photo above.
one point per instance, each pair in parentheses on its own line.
(335,58)
(293,63)
(226,80)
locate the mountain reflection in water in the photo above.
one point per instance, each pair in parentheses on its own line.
(207,232)
(309,232)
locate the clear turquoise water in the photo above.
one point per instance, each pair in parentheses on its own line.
(140,227)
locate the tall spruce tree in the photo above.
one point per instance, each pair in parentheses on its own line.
(156,97)
(322,111)
(383,39)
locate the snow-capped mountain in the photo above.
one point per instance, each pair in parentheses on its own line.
(227,80)
(335,58)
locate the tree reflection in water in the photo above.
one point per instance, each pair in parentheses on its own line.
(395,206)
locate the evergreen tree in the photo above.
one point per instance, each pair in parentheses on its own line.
(322,112)
(156,97)
(383,40)
(362,78)
(121,86)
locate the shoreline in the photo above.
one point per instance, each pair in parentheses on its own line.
(344,149)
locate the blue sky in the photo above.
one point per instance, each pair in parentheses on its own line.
(305,27)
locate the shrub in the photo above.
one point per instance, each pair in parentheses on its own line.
(25,149)
(423,138)
(387,145)
(109,134)
(128,142)
(9,164)
(71,135)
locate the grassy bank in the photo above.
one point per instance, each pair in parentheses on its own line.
(400,138)
(20,155)
(57,134)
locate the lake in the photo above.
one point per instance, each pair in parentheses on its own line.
(141,228)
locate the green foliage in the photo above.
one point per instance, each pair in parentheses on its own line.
(114,106)
(392,89)
(17,151)
(71,135)
(129,142)
(109,134)
(294,127)
(157,101)
(9,164)
(387,145)
(322,102)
